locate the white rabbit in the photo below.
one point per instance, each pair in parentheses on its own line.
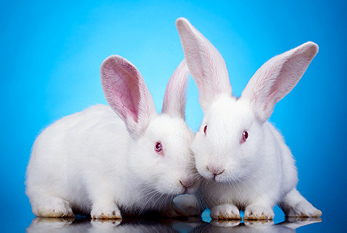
(244,159)
(107,165)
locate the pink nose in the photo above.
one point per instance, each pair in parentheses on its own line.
(215,170)
(187,183)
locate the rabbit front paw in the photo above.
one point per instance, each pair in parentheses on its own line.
(225,212)
(257,212)
(106,212)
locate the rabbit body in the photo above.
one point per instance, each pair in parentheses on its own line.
(243,158)
(263,178)
(105,164)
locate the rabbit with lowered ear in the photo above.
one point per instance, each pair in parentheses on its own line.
(107,165)
(244,159)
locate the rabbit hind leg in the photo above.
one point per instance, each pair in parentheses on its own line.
(295,205)
(51,207)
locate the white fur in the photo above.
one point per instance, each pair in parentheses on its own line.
(101,163)
(259,173)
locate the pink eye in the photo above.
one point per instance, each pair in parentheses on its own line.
(158,147)
(244,136)
(205,128)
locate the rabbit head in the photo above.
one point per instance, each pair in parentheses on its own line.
(159,156)
(227,145)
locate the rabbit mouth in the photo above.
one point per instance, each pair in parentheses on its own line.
(217,178)
(222,178)
(189,187)
(190,190)
(215,174)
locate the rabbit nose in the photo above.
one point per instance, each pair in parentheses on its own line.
(187,183)
(215,170)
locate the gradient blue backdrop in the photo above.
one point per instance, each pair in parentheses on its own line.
(50,54)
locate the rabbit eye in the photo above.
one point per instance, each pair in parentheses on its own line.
(205,128)
(244,136)
(158,147)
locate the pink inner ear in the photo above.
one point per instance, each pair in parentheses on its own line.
(120,82)
(277,77)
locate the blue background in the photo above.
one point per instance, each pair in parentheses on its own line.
(50,54)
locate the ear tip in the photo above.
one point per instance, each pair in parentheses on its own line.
(180,19)
(312,44)
(312,47)
(110,61)
(181,22)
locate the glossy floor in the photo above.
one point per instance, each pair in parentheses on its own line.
(169,225)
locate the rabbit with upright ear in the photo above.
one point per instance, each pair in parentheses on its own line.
(107,165)
(244,159)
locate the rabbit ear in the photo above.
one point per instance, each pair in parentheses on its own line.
(276,78)
(127,93)
(175,94)
(205,64)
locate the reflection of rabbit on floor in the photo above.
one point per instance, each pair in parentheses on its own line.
(85,225)
(289,226)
